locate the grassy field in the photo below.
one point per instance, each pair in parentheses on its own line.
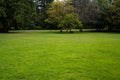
(50,55)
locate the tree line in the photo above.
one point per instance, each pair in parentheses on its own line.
(99,14)
(68,14)
(22,14)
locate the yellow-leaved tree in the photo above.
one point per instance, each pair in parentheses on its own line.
(58,12)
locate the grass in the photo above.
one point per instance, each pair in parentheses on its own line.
(49,55)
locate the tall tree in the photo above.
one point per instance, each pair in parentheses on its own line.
(58,10)
(91,11)
(112,16)
(41,7)
(70,21)
(83,8)
(15,13)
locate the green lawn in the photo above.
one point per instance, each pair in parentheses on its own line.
(50,55)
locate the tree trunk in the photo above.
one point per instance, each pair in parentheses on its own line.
(97,28)
(5,25)
(60,30)
(70,30)
(80,29)
(67,29)
(109,28)
(4,28)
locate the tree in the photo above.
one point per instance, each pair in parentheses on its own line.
(55,13)
(91,12)
(112,16)
(41,14)
(70,21)
(58,11)
(83,9)
(15,13)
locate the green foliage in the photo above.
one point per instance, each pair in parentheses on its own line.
(103,4)
(55,12)
(91,12)
(41,13)
(70,21)
(85,10)
(112,16)
(58,11)
(38,27)
(2,12)
(16,13)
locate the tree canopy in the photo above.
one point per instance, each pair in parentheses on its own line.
(15,13)
(48,14)
(70,21)
(63,15)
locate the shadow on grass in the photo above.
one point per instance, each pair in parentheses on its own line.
(104,31)
(86,31)
(58,32)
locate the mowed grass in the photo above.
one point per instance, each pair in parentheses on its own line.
(50,55)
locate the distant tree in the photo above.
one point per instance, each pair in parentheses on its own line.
(83,9)
(60,12)
(41,12)
(91,12)
(55,13)
(70,21)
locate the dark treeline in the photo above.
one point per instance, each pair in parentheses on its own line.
(15,14)
(22,14)
(31,14)
(99,14)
